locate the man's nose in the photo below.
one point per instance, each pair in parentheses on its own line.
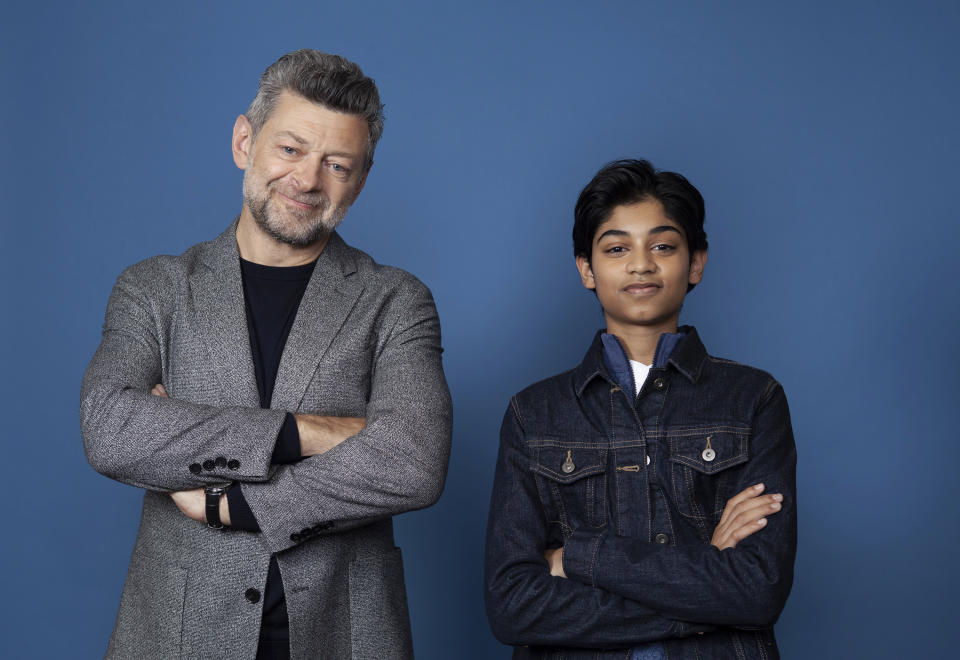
(308,175)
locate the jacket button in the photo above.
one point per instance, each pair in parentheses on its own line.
(708,454)
(195,468)
(662,539)
(295,537)
(221,462)
(209,464)
(648,459)
(658,383)
(252,595)
(233,464)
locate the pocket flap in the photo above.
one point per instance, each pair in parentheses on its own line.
(568,465)
(691,447)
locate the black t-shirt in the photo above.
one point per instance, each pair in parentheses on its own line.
(272,296)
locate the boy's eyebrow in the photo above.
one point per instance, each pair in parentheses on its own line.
(621,232)
(663,228)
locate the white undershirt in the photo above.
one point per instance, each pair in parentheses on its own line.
(640,371)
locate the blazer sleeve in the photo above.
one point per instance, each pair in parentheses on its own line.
(528,606)
(397,463)
(745,586)
(153,442)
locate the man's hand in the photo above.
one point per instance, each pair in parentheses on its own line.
(319,434)
(744,514)
(193,503)
(554,557)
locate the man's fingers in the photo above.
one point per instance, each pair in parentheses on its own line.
(159,390)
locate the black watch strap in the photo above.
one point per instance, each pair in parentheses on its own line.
(213,505)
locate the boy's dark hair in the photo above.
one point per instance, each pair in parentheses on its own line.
(629,182)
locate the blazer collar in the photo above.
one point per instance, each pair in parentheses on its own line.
(331,293)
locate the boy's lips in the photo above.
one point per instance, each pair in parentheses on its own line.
(641,288)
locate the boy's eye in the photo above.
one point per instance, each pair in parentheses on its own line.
(664,247)
(616,249)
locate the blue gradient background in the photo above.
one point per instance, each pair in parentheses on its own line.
(823,136)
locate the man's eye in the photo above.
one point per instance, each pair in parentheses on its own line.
(290,151)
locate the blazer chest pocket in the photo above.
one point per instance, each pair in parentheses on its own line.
(704,469)
(572,482)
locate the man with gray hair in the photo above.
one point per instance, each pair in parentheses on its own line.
(279,396)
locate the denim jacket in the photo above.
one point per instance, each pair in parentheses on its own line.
(632,488)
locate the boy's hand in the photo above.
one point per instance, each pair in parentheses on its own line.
(744,514)
(554,557)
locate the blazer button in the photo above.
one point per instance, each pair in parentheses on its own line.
(295,537)
(658,383)
(209,464)
(233,464)
(252,595)
(221,462)
(662,539)
(195,468)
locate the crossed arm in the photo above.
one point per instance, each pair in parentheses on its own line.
(622,592)
(318,434)
(355,471)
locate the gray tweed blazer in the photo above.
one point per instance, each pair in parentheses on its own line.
(365,342)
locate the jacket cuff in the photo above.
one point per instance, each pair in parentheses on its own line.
(287,448)
(241,516)
(580,551)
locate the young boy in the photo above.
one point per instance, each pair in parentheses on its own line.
(644,502)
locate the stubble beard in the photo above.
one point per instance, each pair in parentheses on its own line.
(295,227)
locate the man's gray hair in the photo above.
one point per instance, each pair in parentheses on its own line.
(330,80)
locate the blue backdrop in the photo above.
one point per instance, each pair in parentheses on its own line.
(823,135)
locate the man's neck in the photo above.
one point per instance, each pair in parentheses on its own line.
(259,247)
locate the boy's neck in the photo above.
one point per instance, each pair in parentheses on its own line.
(639,341)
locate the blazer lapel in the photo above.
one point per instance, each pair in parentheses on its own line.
(332,292)
(222,317)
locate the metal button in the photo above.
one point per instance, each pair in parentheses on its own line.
(209,464)
(662,539)
(253,595)
(568,465)
(659,383)
(708,454)
(648,459)
(195,468)
(233,464)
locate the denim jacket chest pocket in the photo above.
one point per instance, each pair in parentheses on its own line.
(704,466)
(572,483)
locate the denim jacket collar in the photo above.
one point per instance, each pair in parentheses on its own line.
(687,356)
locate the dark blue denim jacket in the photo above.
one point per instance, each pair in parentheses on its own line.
(626,485)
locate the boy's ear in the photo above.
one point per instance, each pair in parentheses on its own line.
(586,273)
(697,263)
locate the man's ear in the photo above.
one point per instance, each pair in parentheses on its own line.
(242,142)
(697,263)
(586,273)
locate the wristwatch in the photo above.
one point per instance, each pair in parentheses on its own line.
(213,504)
